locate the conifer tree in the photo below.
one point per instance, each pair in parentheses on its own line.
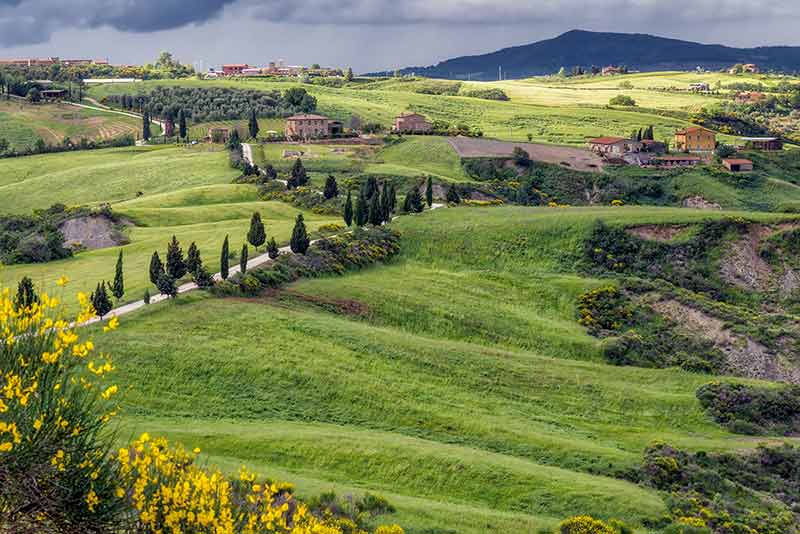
(100,301)
(272,248)
(182,130)
(118,287)
(362,213)
(203,278)
(270,172)
(429,191)
(453,198)
(299,242)
(26,294)
(243,259)
(331,188)
(146,126)
(256,236)
(413,202)
(348,209)
(166,285)
(299,177)
(375,214)
(348,76)
(234,142)
(252,124)
(392,198)
(146,297)
(176,267)
(369,188)
(224,260)
(386,203)
(156,268)
(193,259)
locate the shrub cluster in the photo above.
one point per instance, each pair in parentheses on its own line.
(35,238)
(67,145)
(751,409)
(202,104)
(331,255)
(604,308)
(486,94)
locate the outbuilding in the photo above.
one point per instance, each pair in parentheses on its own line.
(738,164)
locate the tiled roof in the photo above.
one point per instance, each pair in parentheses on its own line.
(607,140)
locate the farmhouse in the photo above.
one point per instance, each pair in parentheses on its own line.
(680,160)
(612,70)
(760,143)
(695,139)
(411,122)
(308,126)
(218,135)
(614,146)
(738,165)
(233,69)
(749,97)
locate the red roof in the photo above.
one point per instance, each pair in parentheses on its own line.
(237,65)
(678,158)
(306,116)
(607,140)
(693,129)
(735,161)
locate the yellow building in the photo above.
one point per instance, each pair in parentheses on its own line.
(695,139)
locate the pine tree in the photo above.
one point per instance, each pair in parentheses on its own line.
(243,259)
(331,188)
(193,259)
(224,260)
(156,268)
(118,287)
(348,209)
(146,297)
(252,124)
(182,130)
(26,294)
(429,191)
(375,214)
(272,248)
(166,285)
(256,236)
(300,241)
(453,198)
(100,301)
(176,267)
(146,126)
(362,213)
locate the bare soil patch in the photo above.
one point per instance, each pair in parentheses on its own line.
(657,232)
(569,157)
(337,306)
(91,232)
(700,203)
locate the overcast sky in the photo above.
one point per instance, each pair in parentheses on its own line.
(365,34)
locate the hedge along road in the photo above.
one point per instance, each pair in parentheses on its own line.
(191,286)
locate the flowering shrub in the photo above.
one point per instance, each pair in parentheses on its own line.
(752,410)
(584,524)
(55,473)
(603,308)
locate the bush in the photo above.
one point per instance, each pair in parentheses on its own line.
(622,100)
(584,524)
(486,94)
(752,410)
(604,308)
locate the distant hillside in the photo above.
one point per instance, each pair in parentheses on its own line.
(583,48)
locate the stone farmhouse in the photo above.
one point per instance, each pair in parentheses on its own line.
(695,139)
(411,123)
(311,126)
(233,69)
(767,144)
(614,147)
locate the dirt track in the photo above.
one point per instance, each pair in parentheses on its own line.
(572,158)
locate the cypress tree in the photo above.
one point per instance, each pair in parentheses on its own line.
(243,259)
(146,126)
(386,203)
(453,198)
(429,191)
(182,130)
(252,125)
(369,188)
(375,214)
(224,260)
(166,285)
(193,259)
(270,172)
(299,176)
(203,278)
(300,241)
(392,198)
(361,211)
(331,188)
(100,301)
(118,287)
(156,268)
(146,297)
(256,236)
(234,143)
(413,202)
(272,248)
(26,294)
(176,267)
(348,209)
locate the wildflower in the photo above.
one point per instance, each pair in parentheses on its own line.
(111,390)
(62,281)
(111,325)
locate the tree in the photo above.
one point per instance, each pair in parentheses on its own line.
(146,126)
(100,301)
(4,145)
(521,157)
(725,151)
(176,267)
(34,95)
(299,242)
(193,259)
(429,191)
(272,248)
(375,214)
(413,202)
(182,130)
(348,77)
(224,260)
(331,188)
(270,172)
(203,278)
(118,287)
(146,297)
(166,285)
(648,133)
(370,187)
(256,236)
(529,136)
(348,209)
(156,268)
(26,294)
(452,195)
(622,100)
(386,202)
(252,125)
(361,210)
(243,259)
(234,142)
(299,176)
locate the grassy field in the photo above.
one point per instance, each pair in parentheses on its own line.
(21,123)
(465,391)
